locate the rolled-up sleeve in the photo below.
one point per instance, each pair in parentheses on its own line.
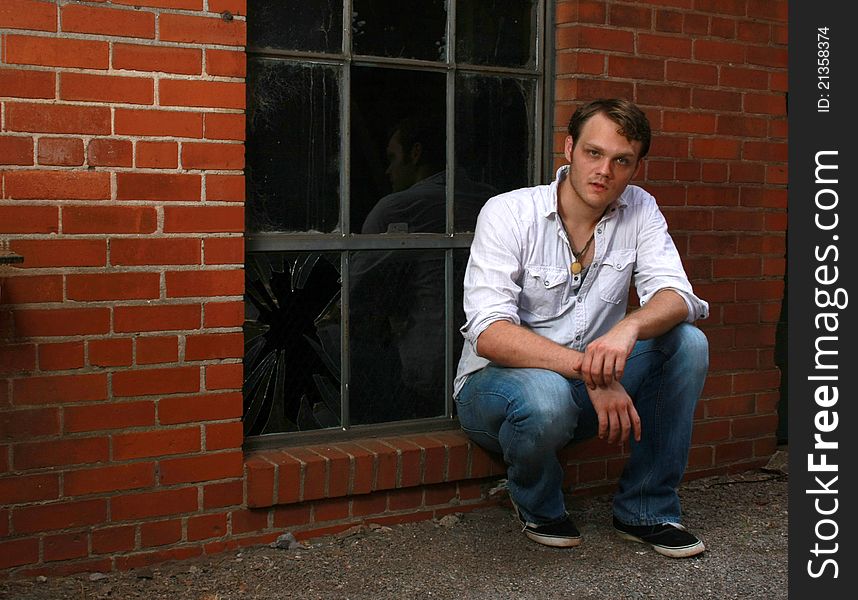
(490,288)
(659,266)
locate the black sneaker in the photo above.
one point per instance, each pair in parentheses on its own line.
(562,534)
(670,539)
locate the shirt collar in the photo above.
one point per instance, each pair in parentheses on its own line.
(549,208)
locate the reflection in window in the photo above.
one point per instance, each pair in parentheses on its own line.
(397,29)
(292,147)
(496,32)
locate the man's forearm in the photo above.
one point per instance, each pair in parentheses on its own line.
(665,310)
(512,345)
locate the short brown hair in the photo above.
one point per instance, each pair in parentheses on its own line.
(632,121)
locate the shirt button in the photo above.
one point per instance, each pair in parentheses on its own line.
(577,337)
(599,230)
(546,283)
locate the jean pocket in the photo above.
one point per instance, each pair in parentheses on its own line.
(615,275)
(544,290)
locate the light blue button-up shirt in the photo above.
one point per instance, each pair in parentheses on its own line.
(518,270)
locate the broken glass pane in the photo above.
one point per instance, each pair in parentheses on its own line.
(396,335)
(496,32)
(295,25)
(494,132)
(396,189)
(293,147)
(397,29)
(291,341)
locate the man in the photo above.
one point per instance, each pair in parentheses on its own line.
(550,355)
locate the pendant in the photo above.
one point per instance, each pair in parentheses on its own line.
(575,268)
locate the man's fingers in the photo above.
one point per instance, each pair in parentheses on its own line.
(603,423)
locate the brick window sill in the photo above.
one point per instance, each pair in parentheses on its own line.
(300,474)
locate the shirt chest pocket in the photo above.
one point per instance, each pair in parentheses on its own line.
(615,276)
(543,291)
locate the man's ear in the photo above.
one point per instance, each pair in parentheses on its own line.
(568,146)
(416,152)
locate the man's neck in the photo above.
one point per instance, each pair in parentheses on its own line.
(574,213)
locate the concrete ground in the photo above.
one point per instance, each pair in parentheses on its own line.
(483,555)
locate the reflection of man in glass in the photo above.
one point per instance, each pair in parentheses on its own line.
(397,297)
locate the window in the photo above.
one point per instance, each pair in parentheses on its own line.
(377,129)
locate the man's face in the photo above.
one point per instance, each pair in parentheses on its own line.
(602,162)
(402,167)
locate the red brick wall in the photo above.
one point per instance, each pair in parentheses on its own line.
(120,339)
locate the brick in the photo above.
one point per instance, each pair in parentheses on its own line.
(17,357)
(132,57)
(236,7)
(224,251)
(744,126)
(16,150)
(229,188)
(685,122)
(210,466)
(260,478)
(226,63)
(630,16)
(765,151)
(729,7)
(154,504)
(716,100)
(54,453)
(56,389)
(29,219)
(246,521)
(180,124)
(66,152)
(32,289)
(66,546)
(224,377)
(133,319)
(155,251)
(107,88)
(29,424)
(155,350)
(717,148)
(56,52)
(199,408)
(61,356)
(710,431)
(157,155)
(181,284)
(689,72)
(160,533)
(28,14)
(107,21)
(206,527)
(109,219)
(212,346)
(102,152)
(113,286)
(144,382)
(158,186)
(221,495)
(61,321)
(58,118)
(208,94)
(204,219)
(175,4)
(223,314)
(161,442)
(212,156)
(636,68)
(116,415)
(20,489)
(112,540)
(111,352)
(766,56)
(109,478)
(723,28)
(741,77)
(224,126)
(202,30)
(19,83)
(17,552)
(57,185)
(595,38)
(224,436)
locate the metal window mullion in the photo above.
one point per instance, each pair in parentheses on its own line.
(449,283)
(545,91)
(345,213)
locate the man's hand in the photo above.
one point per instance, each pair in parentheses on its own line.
(617,414)
(605,357)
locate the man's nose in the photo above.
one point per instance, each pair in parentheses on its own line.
(605,167)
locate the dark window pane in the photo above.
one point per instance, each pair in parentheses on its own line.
(496,32)
(494,132)
(315,26)
(398,151)
(396,335)
(291,342)
(293,147)
(397,29)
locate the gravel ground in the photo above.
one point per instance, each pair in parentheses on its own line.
(482,554)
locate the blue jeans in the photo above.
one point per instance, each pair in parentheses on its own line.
(528,415)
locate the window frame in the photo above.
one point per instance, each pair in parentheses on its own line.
(345,241)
